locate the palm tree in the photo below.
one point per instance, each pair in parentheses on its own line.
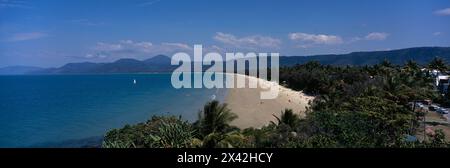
(386,63)
(288,117)
(215,118)
(385,67)
(438,63)
(411,66)
(392,86)
(225,140)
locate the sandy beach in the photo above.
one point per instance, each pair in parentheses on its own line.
(255,112)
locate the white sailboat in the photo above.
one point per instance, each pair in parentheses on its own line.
(134,81)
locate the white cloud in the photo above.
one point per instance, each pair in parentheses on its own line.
(177,45)
(133,49)
(355,39)
(149,3)
(443,12)
(215,48)
(95,55)
(304,46)
(248,42)
(371,36)
(377,36)
(109,47)
(26,36)
(85,22)
(315,38)
(437,33)
(311,40)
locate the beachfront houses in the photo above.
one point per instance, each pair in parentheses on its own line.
(441,79)
(442,83)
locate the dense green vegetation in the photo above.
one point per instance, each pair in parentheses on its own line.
(354,107)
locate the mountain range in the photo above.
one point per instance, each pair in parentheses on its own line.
(161,63)
(422,55)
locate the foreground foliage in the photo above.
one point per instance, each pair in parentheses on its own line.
(354,107)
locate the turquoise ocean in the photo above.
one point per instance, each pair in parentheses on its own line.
(77,110)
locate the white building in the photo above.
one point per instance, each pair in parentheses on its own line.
(442,81)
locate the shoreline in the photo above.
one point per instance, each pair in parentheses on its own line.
(255,112)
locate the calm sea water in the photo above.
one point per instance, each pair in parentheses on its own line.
(73,110)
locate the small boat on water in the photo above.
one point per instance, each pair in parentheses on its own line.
(134,81)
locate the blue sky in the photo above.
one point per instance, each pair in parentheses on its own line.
(53,32)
